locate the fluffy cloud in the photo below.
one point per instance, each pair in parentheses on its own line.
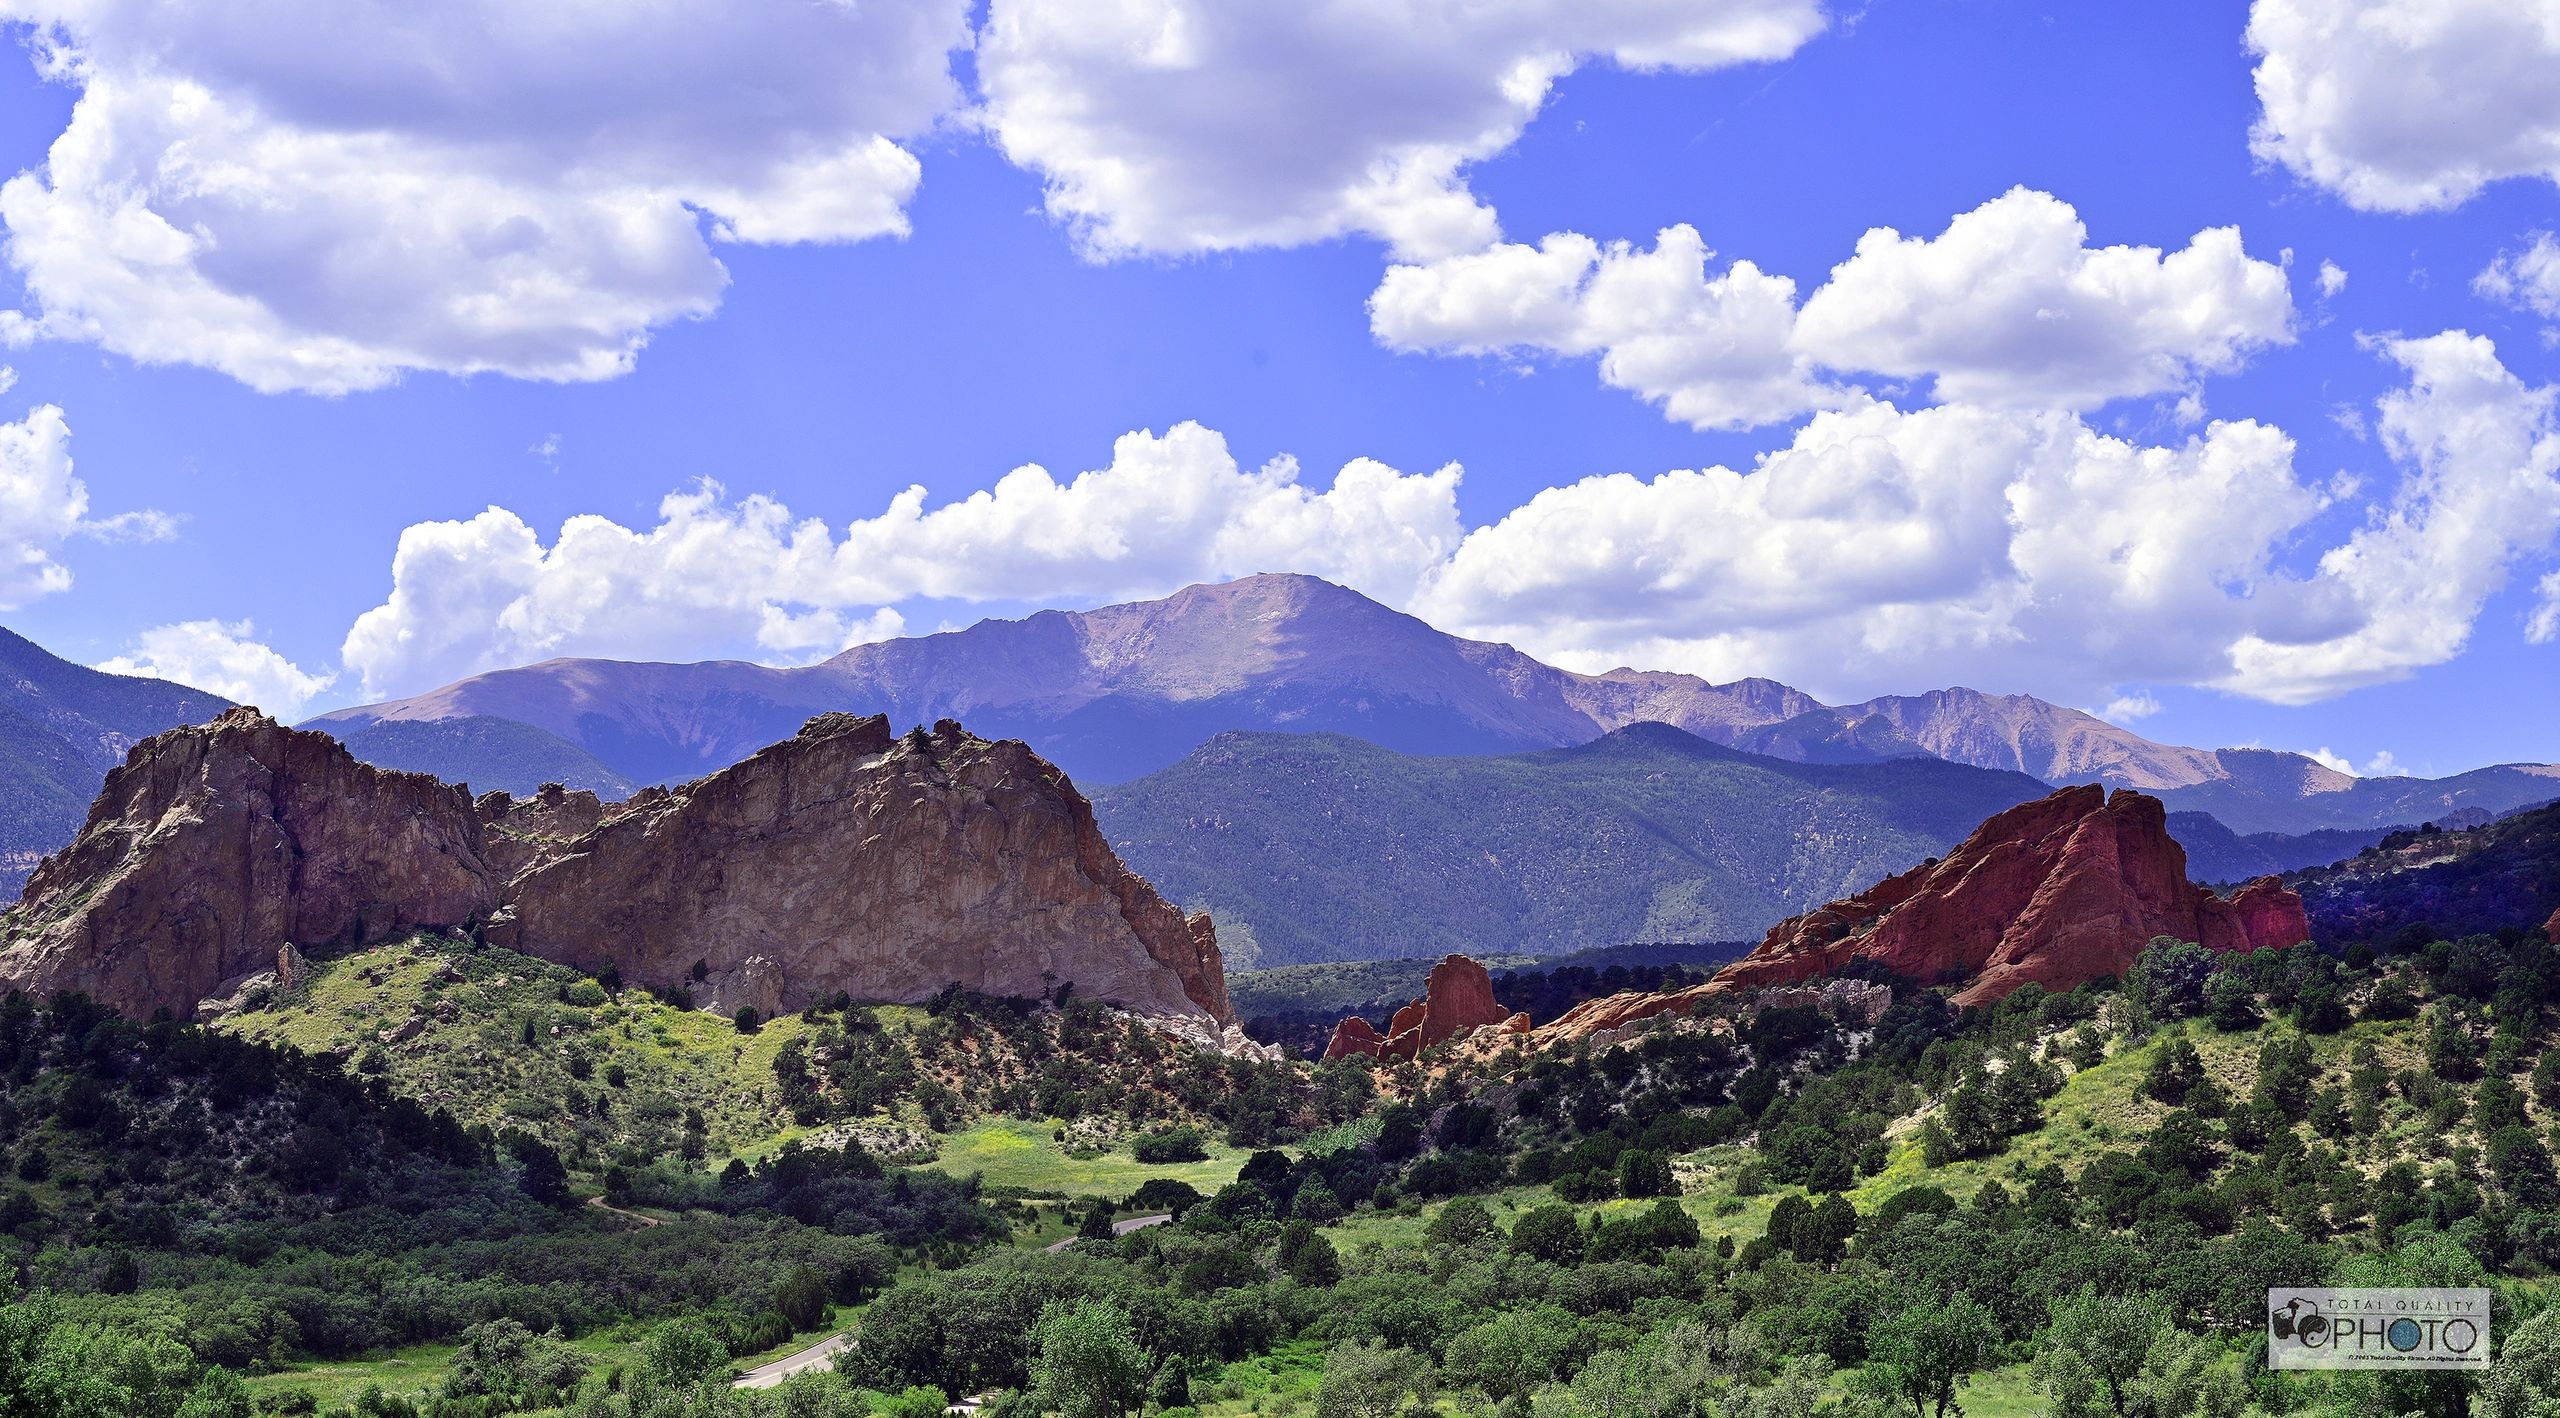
(221,657)
(1963,543)
(2542,624)
(716,575)
(2481,493)
(474,186)
(2010,306)
(2406,105)
(2025,548)
(1204,125)
(2333,278)
(1713,351)
(2528,279)
(42,505)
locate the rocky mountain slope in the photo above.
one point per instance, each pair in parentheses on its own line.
(483,752)
(2414,887)
(62,726)
(1118,692)
(842,859)
(1321,847)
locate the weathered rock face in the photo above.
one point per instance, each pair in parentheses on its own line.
(2058,891)
(213,851)
(842,859)
(519,832)
(1456,999)
(848,859)
(2551,928)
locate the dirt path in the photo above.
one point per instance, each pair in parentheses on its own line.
(645,1221)
(1118,1228)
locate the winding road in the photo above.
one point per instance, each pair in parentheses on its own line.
(816,1356)
(1118,1228)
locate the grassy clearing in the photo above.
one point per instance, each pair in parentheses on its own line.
(1021,1154)
(506,1040)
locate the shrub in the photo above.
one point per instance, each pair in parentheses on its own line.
(1167,1145)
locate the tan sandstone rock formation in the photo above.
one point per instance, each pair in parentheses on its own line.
(843,859)
(850,859)
(214,850)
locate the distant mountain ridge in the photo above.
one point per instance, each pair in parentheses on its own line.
(62,726)
(1323,847)
(1117,692)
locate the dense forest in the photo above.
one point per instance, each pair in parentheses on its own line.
(2067,1203)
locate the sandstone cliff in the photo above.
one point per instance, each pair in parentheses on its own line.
(849,859)
(2058,891)
(212,849)
(843,859)
(1457,999)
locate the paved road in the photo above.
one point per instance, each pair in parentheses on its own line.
(1118,1228)
(816,1356)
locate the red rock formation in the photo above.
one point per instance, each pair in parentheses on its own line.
(2058,891)
(1355,1035)
(214,849)
(1456,999)
(2551,928)
(847,858)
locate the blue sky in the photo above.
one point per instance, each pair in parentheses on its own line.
(254,448)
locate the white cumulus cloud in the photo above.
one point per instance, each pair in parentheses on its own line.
(2407,105)
(2333,278)
(715,575)
(2527,278)
(43,505)
(2481,492)
(2010,306)
(1964,544)
(225,658)
(465,187)
(1176,126)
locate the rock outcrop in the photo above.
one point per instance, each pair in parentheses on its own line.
(522,831)
(843,859)
(214,851)
(2058,891)
(2551,928)
(1457,999)
(847,858)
